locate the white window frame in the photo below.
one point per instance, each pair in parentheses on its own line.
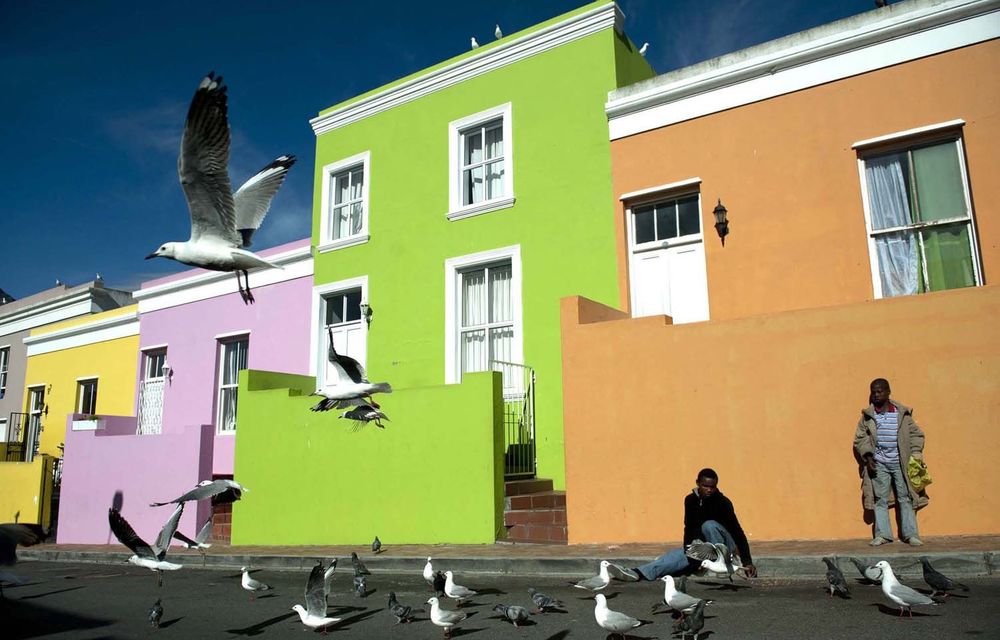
(317,341)
(32,436)
(658,198)
(221,387)
(326,242)
(905,140)
(3,430)
(4,368)
(452,288)
(80,382)
(456,209)
(148,356)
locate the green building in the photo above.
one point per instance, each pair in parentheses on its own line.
(456,206)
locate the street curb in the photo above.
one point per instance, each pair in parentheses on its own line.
(964,563)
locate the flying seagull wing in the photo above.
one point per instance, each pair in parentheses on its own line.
(315,593)
(13,534)
(699,550)
(203,164)
(167,532)
(204,533)
(127,535)
(350,367)
(253,199)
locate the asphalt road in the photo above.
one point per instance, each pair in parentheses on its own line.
(88,601)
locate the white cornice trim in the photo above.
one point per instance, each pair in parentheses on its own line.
(573,28)
(47,312)
(663,188)
(84,334)
(876,45)
(481,208)
(296,263)
(343,243)
(909,133)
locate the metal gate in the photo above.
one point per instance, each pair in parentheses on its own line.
(150,407)
(518,418)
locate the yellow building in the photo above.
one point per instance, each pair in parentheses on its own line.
(77,372)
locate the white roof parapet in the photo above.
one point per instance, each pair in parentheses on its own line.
(855,45)
(532,43)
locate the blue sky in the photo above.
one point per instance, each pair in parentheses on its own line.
(96,93)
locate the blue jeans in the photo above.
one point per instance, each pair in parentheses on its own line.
(675,563)
(886,475)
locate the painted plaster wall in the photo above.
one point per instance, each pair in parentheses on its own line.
(13,398)
(278,326)
(785,169)
(27,491)
(315,481)
(771,402)
(561,218)
(114,466)
(112,362)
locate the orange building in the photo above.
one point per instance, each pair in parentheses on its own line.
(857,165)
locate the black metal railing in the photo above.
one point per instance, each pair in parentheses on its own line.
(518,418)
(14,450)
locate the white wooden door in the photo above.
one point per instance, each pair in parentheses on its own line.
(349,339)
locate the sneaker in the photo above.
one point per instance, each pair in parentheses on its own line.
(619,572)
(638,574)
(879,540)
(914,541)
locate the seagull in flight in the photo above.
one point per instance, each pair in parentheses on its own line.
(350,387)
(11,535)
(222,491)
(222,222)
(313,615)
(143,555)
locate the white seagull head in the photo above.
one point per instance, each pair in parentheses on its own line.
(167,250)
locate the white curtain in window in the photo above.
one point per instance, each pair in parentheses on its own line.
(474,351)
(890,207)
(500,303)
(357,184)
(474,300)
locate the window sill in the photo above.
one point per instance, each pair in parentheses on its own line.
(343,243)
(226,432)
(481,208)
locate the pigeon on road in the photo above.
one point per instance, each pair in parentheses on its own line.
(376,545)
(597,582)
(359,567)
(251,585)
(513,613)
(868,572)
(314,614)
(360,586)
(898,592)
(939,582)
(456,591)
(221,491)
(155,614)
(439,581)
(835,578)
(543,602)
(613,621)
(403,613)
(153,558)
(222,222)
(444,618)
(692,623)
(674,599)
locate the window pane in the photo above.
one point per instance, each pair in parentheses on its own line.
(897,262)
(501,342)
(227,400)
(473,351)
(341,189)
(949,257)
(340,221)
(500,304)
(494,140)
(644,230)
(357,183)
(473,184)
(666,221)
(353,305)
(474,299)
(354,225)
(335,309)
(494,180)
(940,193)
(888,179)
(154,365)
(473,147)
(688,216)
(234,361)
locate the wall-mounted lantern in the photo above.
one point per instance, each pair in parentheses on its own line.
(721,222)
(367,313)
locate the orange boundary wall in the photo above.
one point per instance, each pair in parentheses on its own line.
(771,403)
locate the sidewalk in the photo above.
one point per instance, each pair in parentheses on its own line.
(958,555)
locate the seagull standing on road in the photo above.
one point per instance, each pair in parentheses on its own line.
(676,600)
(938,581)
(314,613)
(153,558)
(598,582)
(904,596)
(835,578)
(429,573)
(456,591)
(221,491)
(251,585)
(444,618)
(222,222)
(613,621)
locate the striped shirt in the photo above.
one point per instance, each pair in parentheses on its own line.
(886,437)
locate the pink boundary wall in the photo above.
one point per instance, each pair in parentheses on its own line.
(159,467)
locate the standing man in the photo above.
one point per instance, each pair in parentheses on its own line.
(708,516)
(885,439)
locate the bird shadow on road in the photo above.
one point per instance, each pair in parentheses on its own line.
(266,596)
(559,635)
(456,631)
(890,611)
(171,622)
(364,615)
(726,587)
(826,590)
(50,593)
(491,592)
(257,629)
(611,595)
(527,623)
(940,598)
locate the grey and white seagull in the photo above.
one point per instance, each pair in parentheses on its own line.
(614,621)
(222,491)
(457,591)
(251,584)
(715,557)
(676,600)
(350,386)
(444,618)
(598,582)
(906,597)
(144,555)
(313,615)
(200,541)
(222,222)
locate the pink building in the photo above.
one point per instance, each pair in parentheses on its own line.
(195,336)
